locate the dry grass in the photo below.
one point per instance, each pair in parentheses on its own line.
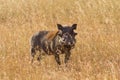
(97,52)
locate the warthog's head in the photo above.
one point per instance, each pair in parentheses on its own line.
(67,35)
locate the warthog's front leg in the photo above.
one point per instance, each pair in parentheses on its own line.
(57,58)
(67,56)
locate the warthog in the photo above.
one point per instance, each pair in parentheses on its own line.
(54,42)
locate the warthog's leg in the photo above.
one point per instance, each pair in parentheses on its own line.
(57,58)
(33,53)
(67,56)
(39,55)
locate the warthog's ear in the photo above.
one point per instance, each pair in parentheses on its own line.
(59,26)
(74,26)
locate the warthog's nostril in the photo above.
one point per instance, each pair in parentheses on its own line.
(72,43)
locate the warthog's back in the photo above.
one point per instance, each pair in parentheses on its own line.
(37,38)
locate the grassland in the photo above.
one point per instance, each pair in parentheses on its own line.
(97,52)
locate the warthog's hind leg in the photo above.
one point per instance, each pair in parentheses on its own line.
(39,55)
(33,53)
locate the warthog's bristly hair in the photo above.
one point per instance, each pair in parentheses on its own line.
(54,42)
(51,35)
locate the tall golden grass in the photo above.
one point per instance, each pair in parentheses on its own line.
(97,52)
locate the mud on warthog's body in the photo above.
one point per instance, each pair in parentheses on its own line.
(54,42)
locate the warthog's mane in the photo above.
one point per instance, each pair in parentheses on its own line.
(51,35)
